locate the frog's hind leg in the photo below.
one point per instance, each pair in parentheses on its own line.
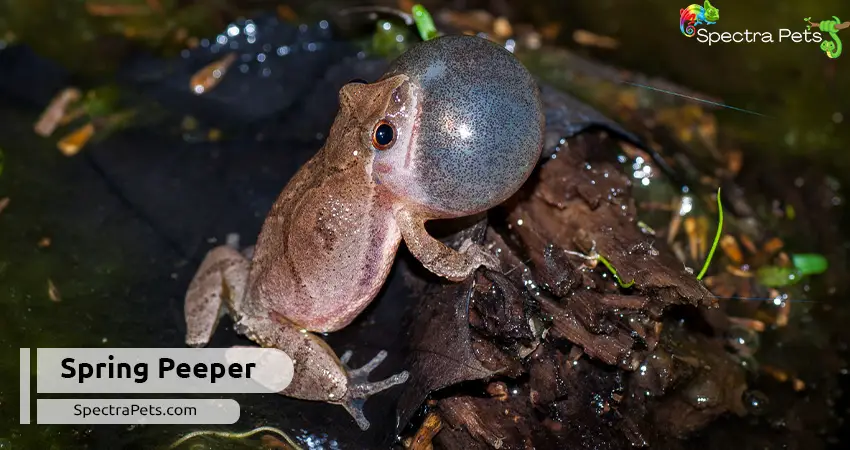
(319,374)
(216,289)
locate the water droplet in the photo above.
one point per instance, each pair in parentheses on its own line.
(755,402)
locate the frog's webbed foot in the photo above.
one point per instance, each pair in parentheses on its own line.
(360,388)
(438,258)
(480,256)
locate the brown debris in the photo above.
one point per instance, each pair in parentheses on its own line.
(498,390)
(71,144)
(731,249)
(602,358)
(111,10)
(53,115)
(752,324)
(53,291)
(211,75)
(4,202)
(588,39)
(772,246)
(431,426)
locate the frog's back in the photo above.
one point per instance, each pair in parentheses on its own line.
(325,249)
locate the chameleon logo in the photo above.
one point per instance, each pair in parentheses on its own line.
(831,48)
(697,15)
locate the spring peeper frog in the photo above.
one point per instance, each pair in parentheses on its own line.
(453,128)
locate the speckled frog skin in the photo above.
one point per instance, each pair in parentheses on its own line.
(453,128)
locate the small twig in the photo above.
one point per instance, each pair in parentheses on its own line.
(231,435)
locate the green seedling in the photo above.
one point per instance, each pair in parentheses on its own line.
(424,23)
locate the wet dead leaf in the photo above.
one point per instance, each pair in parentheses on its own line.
(550,31)
(286,13)
(738,272)
(734,161)
(498,390)
(476,20)
(752,324)
(4,202)
(588,39)
(53,291)
(702,229)
(748,244)
(778,374)
(211,75)
(502,28)
(772,246)
(430,427)
(693,238)
(111,10)
(782,314)
(52,116)
(731,249)
(71,144)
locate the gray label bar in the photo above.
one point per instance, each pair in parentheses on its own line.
(137,411)
(25,386)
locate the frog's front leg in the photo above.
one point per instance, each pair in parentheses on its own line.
(437,257)
(319,374)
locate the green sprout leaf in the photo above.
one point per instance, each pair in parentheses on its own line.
(810,263)
(777,277)
(424,22)
(716,238)
(614,272)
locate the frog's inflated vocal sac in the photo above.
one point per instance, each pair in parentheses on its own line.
(453,128)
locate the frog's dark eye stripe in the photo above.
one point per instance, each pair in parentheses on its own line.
(358,80)
(384,135)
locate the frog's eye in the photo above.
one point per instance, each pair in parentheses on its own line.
(384,135)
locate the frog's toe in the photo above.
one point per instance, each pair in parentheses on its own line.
(363,371)
(360,388)
(355,408)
